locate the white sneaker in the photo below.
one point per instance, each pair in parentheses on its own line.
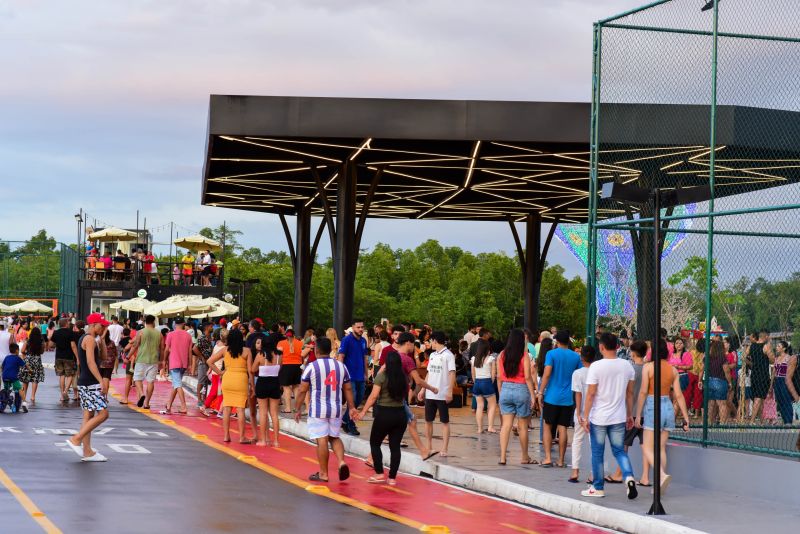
(25,407)
(632,491)
(96,457)
(592,492)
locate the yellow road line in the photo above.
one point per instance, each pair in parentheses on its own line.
(453,508)
(397,490)
(518,529)
(303,484)
(309,460)
(28,504)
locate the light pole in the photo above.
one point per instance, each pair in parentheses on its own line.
(79,220)
(658,199)
(243,286)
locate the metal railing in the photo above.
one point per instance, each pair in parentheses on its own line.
(150,273)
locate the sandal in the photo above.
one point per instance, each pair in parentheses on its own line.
(245,442)
(344,472)
(431,455)
(644,485)
(316,478)
(530,461)
(546,464)
(165,412)
(501,462)
(610,480)
(376,479)
(369,464)
(574,480)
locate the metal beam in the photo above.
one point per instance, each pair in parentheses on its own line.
(362,219)
(345,255)
(326,206)
(289,241)
(303,265)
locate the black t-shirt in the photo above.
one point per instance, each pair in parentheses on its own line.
(63,337)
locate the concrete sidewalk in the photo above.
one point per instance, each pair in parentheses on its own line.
(472,464)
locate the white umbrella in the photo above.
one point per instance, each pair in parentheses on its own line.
(220,308)
(113,234)
(6,309)
(135,304)
(198,242)
(31,306)
(174,308)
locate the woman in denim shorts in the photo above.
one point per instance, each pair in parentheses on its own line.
(484,373)
(670,382)
(517,393)
(719,380)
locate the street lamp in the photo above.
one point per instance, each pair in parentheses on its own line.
(79,220)
(657,198)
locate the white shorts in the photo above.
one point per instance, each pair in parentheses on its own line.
(324,427)
(145,371)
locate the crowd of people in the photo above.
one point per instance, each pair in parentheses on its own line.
(250,374)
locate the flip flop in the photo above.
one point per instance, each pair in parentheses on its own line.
(574,480)
(246,442)
(165,412)
(146,407)
(369,464)
(501,463)
(316,478)
(610,480)
(140,402)
(344,472)
(530,461)
(403,445)
(431,455)
(547,464)
(645,485)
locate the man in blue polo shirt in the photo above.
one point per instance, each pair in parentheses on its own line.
(556,388)
(353,352)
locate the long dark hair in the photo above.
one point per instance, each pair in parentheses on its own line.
(514,352)
(396,378)
(235,343)
(544,347)
(481,351)
(35,343)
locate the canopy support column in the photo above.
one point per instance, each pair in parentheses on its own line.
(532,261)
(303,265)
(345,258)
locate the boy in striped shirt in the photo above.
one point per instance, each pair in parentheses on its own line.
(328,380)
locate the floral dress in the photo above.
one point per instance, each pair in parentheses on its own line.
(33,370)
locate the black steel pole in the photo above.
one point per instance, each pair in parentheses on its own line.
(302,269)
(345,254)
(533,245)
(656,508)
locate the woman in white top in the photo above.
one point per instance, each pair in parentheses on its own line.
(266,366)
(484,373)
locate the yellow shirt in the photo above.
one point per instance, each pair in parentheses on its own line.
(188,262)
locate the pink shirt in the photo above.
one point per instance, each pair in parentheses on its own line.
(179,343)
(683,359)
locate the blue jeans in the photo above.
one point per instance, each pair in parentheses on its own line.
(616,437)
(783,399)
(358,398)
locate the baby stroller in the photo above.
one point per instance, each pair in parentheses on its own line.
(9,397)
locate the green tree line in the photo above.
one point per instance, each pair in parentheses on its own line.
(446,287)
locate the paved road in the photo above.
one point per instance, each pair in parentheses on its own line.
(173,473)
(157,480)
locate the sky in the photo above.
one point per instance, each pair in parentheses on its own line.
(105,104)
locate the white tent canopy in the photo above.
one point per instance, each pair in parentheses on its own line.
(113,234)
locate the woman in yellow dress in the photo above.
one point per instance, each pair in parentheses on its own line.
(237,361)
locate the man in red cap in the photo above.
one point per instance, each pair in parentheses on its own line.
(93,402)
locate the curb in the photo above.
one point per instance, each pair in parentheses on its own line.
(412,463)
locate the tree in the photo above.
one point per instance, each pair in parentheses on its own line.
(225,235)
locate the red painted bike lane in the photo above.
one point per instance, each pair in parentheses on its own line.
(416,501)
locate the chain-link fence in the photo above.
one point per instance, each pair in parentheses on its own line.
(39,270)
(698,101)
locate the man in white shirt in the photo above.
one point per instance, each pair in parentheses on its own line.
(442,376)
(115,330)
(607,413)
(472,335)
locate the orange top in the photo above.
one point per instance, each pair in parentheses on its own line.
(667,378)
(519,378)
(291,351)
